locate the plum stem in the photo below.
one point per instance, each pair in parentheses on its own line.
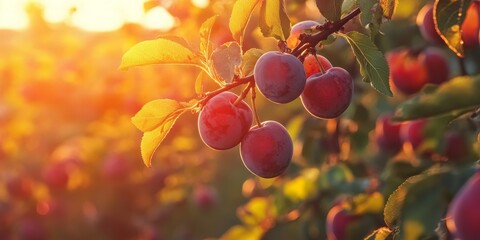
(257,118)
(318,62)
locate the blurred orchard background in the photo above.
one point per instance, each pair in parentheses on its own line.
(70,164)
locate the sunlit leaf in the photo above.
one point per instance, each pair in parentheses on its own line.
(368,203)
(388,7)
(380,234)
(205,31)
(257,210)
(330,9)
(448,17)
(199,83)
(303,186)
(348,6)
(159,51)
(373,65)
(152,139)
(418,205)
(225,59)
(274,21)
(249,59)
(240,232)
(154,113)
(458,94)
(241,13)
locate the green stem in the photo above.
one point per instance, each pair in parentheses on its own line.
(257,118)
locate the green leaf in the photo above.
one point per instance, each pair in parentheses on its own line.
(388,7)
(159,51)
(330,9)
(380,234)
(241,13)
(373,65)
(418,205)
(449,16)
(274,20)
(366,14)
(249,59)
(155,113)
(460,94)
(152,139)
(348,6)
(205,31)
(225,59)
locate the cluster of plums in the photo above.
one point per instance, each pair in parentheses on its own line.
(266,149)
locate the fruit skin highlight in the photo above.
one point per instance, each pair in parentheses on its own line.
(222,124)
(463,217)
(297,29)
(327,95)
(280,77)
(267,150)
(311,66)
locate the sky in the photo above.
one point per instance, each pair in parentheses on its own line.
(91,15)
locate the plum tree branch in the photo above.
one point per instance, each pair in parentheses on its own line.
(328,28)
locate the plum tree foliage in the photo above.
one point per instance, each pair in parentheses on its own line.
(433,95)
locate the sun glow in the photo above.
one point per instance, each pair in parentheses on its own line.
(89,15)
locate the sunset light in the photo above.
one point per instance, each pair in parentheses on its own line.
(90,15)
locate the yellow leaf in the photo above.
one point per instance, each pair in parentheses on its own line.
(241,12)
(303,186)
(152,139)
(205,31)
(368,203)
(240,232)
(159,51)
(155,113)
(274,21)
(256,211)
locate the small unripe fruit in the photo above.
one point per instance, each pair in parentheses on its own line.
(267,150)
(463,217)
(222,124)
(311,66)
(280,77)
(297,29)
(327,95)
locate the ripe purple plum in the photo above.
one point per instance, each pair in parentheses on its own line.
(280,77)
(56,176)
(311,66)
(410,72)
(463,216)
(205,197)
(327,95)
(437,65)
(426,24)
(222,124)
(471,25)
(267,150)
(297,29)
(455,146)
(338,220)
(387,134)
